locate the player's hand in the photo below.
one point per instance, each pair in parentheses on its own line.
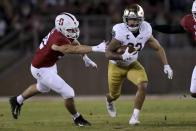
(88,62)
(127,55)
(168,71)
(55,47)
(100,48)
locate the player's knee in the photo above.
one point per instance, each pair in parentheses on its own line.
(142,86)
(115,96)
(193,90)
(67,93)
(42,89)
(193,95)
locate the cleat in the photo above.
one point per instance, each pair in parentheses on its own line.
(134,122)
(80,121)
(111,109)
(15,107)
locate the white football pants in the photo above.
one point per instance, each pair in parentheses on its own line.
(47,78)
(193,81)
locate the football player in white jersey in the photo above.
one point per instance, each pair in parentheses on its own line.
(135,33)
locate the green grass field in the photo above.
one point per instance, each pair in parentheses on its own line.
(157,115)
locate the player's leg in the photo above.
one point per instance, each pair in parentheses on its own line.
(36,88)
(17,101)
(115,80)
(193,83)
(29,92)
(139,100)
(78,118)
(56,83)
(140,95)
(138,76)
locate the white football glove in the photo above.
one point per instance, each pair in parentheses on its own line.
(88,62)
(126,55)
(168,71)
(99,48)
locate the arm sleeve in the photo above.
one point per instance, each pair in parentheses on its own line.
(169,29)
(184,22)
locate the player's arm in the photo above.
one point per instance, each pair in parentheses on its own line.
(78,49)
(72,49)
(76,42)
(88,62)
(154,44)
(169,29)
(111,50)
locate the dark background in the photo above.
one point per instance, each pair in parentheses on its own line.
(23,23)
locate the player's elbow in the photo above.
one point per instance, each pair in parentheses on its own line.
(159,48)
(108,55)
(66,51)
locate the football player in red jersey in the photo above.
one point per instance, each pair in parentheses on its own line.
(43,67)
(188,24)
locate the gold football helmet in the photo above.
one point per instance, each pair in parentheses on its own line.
(133,17)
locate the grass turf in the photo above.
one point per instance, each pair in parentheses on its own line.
(157,115)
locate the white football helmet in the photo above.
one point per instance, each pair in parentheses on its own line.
(136,12)
(194,10)
(67,24)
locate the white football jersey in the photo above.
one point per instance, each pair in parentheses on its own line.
(121,33)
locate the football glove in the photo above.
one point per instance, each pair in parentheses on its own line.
(168,71)
(99,48)
(88,62)
(127,55)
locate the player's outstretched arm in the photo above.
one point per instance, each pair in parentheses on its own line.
(72,49)
(154,44)
(87,61)
(79,49)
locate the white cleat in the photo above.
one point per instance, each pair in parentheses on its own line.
(111,109)
(134,122)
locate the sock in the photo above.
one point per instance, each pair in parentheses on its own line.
(20,99)
(136,113)
(76,115)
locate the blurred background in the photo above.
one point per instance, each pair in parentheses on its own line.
(23,24)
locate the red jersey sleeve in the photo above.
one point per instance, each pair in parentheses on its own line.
(184,22)
(45,56)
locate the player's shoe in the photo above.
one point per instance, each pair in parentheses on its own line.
(80,121)
(15,107)
(133,121)
(111,109)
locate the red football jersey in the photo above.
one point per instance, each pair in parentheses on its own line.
(189,24)
(45,56)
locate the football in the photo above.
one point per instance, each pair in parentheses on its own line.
(122,49)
